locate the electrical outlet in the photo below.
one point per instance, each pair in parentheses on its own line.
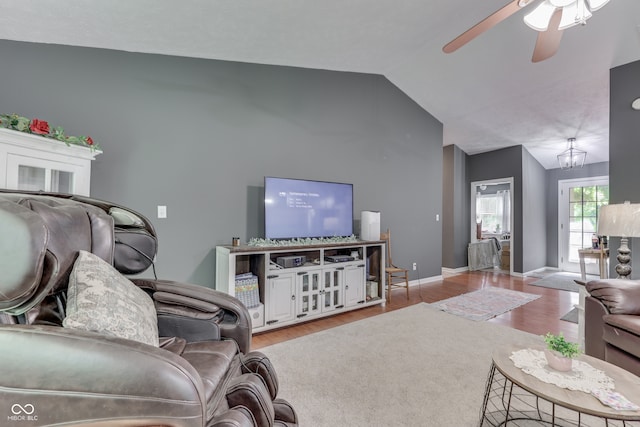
(162,211)
(415,266)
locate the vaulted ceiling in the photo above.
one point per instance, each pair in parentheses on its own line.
(488,94)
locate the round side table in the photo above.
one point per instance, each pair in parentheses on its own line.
(515,398)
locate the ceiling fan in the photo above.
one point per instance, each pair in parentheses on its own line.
(550,18)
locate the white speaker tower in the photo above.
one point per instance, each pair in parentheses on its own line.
(370,225)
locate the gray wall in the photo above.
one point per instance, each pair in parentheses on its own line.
(503,163)
(624,146)
(553,177)
(534,201)
(199,136)
(455,208)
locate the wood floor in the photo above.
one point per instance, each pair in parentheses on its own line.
(538,317)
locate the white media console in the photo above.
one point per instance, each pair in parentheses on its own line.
(285,285)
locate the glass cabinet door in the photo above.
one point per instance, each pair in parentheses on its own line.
(32,178)
(62,181)
(333,289)
(308,285)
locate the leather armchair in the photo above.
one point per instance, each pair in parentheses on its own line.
(201,374)
(612,322)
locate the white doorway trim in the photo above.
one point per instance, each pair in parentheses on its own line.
(564,186)
(472,225)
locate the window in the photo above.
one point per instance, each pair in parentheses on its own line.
(494,211)
(584,210)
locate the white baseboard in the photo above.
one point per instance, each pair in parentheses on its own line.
(424,280)
(529,273)
(447,272)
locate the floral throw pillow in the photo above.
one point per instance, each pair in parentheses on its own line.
(100,299)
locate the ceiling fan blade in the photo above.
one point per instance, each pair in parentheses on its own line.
(548,42)
(484,25)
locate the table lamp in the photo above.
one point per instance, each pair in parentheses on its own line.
(621,220)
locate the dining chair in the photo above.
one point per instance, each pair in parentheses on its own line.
(397,277)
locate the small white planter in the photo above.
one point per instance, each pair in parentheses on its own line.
(558,362)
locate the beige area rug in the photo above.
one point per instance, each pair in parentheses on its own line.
(416,366)
(485,303)
(563,281)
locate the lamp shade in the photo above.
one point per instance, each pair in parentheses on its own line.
(620,220)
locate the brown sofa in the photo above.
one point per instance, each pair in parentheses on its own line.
(84,345)
(612,322)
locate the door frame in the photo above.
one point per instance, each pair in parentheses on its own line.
(563,215)
(474,185)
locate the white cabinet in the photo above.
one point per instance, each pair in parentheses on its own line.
(354,280)
(308,291)
(302,283)
(280,298)
(332,289)
(34,163)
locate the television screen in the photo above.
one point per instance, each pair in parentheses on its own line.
(301,208)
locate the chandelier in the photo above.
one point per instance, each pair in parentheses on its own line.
(574,12)
(571,157)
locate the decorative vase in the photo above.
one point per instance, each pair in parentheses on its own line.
(557,361)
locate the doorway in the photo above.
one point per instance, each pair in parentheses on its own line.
(579,202)
(492,216)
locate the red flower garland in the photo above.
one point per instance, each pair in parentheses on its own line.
(42,128)
(39,126)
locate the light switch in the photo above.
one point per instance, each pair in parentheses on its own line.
(162,211)
(437,217)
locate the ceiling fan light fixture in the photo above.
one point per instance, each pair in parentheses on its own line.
(561,3)
(596,4)
(549,18)
(572,157)
(574,14)
(538,19)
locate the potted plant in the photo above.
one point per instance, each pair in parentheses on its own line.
(560,352)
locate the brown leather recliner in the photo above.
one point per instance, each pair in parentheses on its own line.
(612,322)
(201,373)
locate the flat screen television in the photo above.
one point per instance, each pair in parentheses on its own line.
(298,208)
